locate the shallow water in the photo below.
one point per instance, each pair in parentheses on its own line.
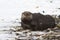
(6,28)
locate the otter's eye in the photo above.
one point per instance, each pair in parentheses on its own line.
(27,14)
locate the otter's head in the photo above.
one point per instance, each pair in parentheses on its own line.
(26,16)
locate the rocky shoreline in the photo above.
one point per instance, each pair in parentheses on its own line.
(37,35)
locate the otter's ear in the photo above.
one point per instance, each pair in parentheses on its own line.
(30,13)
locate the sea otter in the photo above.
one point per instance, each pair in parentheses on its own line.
(36,21)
